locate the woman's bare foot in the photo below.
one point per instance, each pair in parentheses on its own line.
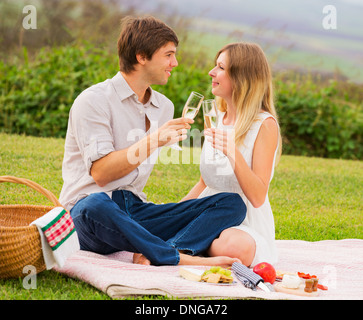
(139,258)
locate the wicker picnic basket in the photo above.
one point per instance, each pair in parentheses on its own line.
(20,243)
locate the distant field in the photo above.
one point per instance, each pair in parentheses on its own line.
(284,48)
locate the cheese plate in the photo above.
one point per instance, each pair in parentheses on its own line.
(193,274)
(298,291)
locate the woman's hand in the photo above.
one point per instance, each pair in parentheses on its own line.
(221,140)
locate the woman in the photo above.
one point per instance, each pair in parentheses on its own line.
(248,136)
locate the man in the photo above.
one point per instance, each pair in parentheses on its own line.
(114,128)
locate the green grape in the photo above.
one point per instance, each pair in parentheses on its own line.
(228,273)
(221,271)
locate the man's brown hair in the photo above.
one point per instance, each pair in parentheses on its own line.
(142,36)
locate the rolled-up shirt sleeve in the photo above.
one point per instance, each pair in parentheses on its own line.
(91,127)
(105,118)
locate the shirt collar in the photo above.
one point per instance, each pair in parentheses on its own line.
(124,91)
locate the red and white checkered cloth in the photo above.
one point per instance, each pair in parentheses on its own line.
(58,236)
(59,229)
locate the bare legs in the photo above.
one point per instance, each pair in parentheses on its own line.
(236,244)
(232,245)
(222,261)
(186,259)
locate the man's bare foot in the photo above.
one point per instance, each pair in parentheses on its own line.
(221,261)
(139,258)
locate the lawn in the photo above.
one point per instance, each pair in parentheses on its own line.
(312,199)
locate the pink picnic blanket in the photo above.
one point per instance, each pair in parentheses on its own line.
(337,263)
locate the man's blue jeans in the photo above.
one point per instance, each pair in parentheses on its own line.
(158,231)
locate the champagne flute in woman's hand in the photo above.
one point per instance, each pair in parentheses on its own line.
(210,114)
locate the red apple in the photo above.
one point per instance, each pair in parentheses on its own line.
(266,271)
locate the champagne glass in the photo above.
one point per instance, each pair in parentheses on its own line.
(190,110)
(210,113)
(192,105)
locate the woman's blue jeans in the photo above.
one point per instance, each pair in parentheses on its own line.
(158,231)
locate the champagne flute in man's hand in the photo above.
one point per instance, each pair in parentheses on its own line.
(190,110)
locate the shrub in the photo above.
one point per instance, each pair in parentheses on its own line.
(36,97)
(317,119)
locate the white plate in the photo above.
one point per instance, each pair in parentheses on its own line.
(233,283)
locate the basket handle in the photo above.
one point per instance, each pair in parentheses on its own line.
(32,185)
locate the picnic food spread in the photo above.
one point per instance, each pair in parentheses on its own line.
(212,275)
(217,275)
(296,283)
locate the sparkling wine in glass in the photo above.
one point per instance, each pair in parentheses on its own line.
(210,114)
(190,112)
(191,108)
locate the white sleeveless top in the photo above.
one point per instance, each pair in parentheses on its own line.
(219,176)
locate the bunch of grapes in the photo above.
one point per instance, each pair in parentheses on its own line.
(217,275)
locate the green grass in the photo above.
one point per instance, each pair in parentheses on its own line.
(312,199)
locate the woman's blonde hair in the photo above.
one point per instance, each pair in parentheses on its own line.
(252,90)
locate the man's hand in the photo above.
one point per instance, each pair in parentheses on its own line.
(171,132)
(119,163)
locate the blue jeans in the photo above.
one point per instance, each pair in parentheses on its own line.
(158,231)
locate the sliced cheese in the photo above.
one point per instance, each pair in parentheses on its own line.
(291,281)
(191,274)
